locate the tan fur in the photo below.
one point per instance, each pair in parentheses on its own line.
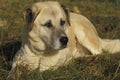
(82,35)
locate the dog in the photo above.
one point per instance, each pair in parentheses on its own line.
(53,36)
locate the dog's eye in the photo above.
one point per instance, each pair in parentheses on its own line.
(62,22)
(48,24)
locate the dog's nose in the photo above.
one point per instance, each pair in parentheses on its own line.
(64,40)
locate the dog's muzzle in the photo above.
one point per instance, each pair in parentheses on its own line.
(64,41)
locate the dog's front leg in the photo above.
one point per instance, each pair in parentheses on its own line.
(14,74)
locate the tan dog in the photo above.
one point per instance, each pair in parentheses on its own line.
(53,36)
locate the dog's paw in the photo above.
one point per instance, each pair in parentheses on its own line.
(96,52)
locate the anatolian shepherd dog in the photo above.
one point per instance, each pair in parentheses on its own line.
(53,36)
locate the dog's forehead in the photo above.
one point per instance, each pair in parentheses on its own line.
(49,10)
(53,11)
(46,4)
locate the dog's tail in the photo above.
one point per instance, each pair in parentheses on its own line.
(111,46)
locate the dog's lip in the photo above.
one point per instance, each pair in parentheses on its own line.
(51,48)
(63,47)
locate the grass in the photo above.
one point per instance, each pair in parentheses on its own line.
(104,14)
(102,67)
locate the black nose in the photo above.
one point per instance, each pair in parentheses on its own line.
(64,40)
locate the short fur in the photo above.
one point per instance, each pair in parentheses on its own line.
(41,48)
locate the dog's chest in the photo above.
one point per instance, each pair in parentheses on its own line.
(48,62)
(53,62)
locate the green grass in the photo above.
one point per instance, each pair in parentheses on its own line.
(104,14)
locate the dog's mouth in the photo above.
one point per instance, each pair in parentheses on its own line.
(59,44)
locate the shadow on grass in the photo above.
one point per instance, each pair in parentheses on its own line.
(7,52)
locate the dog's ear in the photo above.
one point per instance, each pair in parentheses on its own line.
(67,13)
(29,17)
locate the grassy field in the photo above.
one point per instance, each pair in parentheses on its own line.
(104,14)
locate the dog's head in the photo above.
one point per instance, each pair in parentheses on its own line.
(48,22)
